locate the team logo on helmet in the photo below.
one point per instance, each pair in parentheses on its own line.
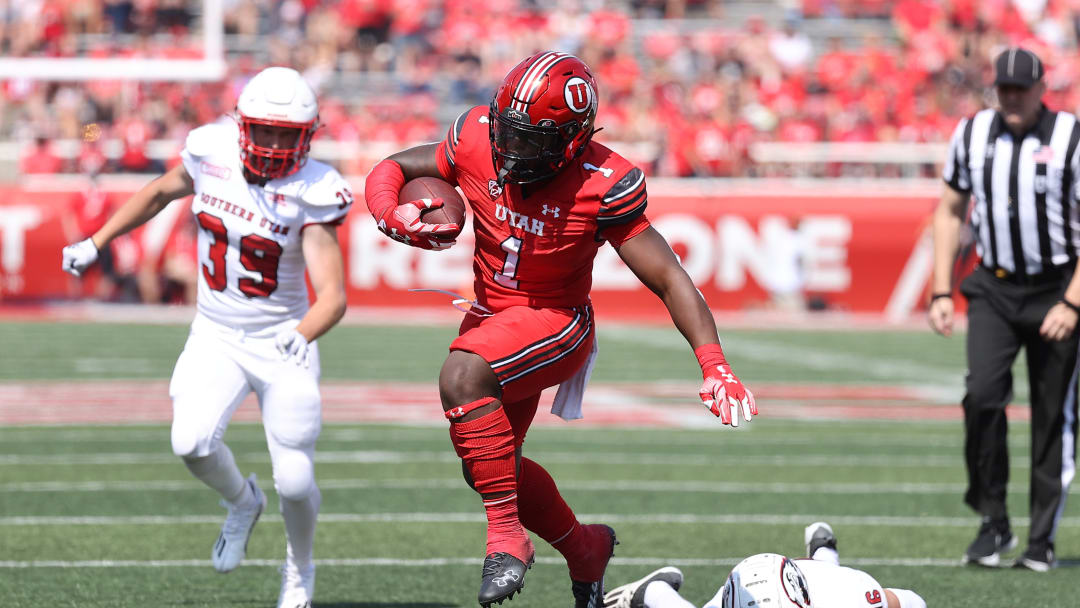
(794,584)
(578,94)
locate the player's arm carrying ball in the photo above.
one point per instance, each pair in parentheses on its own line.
(400,219)
(655,265)
(143,205)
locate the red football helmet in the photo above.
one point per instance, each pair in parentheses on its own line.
(542,117)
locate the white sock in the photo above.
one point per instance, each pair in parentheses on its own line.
(908,598)
(659,594)
(827,554)
(300,516)
(219,471)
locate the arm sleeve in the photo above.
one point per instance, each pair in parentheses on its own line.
(956,173)
(382,187)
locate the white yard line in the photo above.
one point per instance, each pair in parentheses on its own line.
(629,486)
(686,562)
(478,517)
(605,458)
(661,437)
(877,368)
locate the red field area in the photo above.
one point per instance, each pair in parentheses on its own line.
(653,404)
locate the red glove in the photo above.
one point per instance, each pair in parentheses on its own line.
(402,222)
(722,391)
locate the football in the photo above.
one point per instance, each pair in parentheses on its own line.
(453,209)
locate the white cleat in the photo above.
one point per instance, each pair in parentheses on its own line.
(632,595)
(231,545)
(297,586)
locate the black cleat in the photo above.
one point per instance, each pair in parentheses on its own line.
(590,594)
(503,576)
(1039,560)
(993,539)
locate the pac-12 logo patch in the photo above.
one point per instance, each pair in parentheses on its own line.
(578,94)
(494,189)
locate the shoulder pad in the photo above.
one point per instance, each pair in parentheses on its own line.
(210,139)
(625,200)
(320,185)
(475,117)
(453,136)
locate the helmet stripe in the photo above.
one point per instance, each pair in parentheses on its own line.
(538,64)
(532,78)
(537,68)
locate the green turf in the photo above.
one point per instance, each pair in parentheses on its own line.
(44,351)
(700,499)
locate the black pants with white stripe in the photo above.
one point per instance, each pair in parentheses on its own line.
(1002,318)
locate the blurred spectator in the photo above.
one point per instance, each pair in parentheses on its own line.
(171,275)
(688,91)
(785,280)
(112,279)
(135,134)
(39,158)
(790,47)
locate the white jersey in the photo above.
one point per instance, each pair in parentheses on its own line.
(833,586)
(251,273)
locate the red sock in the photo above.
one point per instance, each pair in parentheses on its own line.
(487,447)
(543,511)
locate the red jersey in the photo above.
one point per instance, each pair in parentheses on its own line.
(538,250)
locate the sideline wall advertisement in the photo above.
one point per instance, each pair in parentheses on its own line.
(854,249)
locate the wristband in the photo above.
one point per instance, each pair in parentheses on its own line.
(1071,306)
(937,296)
(710,355)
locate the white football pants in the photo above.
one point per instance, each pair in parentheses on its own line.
(215,372)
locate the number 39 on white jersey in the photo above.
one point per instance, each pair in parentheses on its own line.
(251,266)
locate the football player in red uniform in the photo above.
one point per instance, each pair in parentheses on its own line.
(545,198)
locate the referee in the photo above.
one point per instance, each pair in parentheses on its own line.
(1018,165)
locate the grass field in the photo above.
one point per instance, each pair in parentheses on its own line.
(105,516)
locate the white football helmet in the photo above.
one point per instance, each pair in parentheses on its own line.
(277,97)
(766,580)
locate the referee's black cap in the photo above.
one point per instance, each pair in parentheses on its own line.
(1018,67)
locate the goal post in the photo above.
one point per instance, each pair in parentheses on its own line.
(210,68)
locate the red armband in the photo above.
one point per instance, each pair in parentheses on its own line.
(710,356)
(382,187)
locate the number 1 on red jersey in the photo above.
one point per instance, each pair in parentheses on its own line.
(512,247)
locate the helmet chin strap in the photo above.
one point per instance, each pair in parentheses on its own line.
(508,165)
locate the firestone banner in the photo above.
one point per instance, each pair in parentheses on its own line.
(854,249)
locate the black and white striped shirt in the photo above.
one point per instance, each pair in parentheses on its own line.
(1024,189)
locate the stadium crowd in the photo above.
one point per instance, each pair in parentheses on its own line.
(687,89)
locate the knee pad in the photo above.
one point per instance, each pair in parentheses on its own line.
(294,474)
(188,442)
(293,418)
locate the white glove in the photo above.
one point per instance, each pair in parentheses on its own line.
(79,256)
(293,344)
